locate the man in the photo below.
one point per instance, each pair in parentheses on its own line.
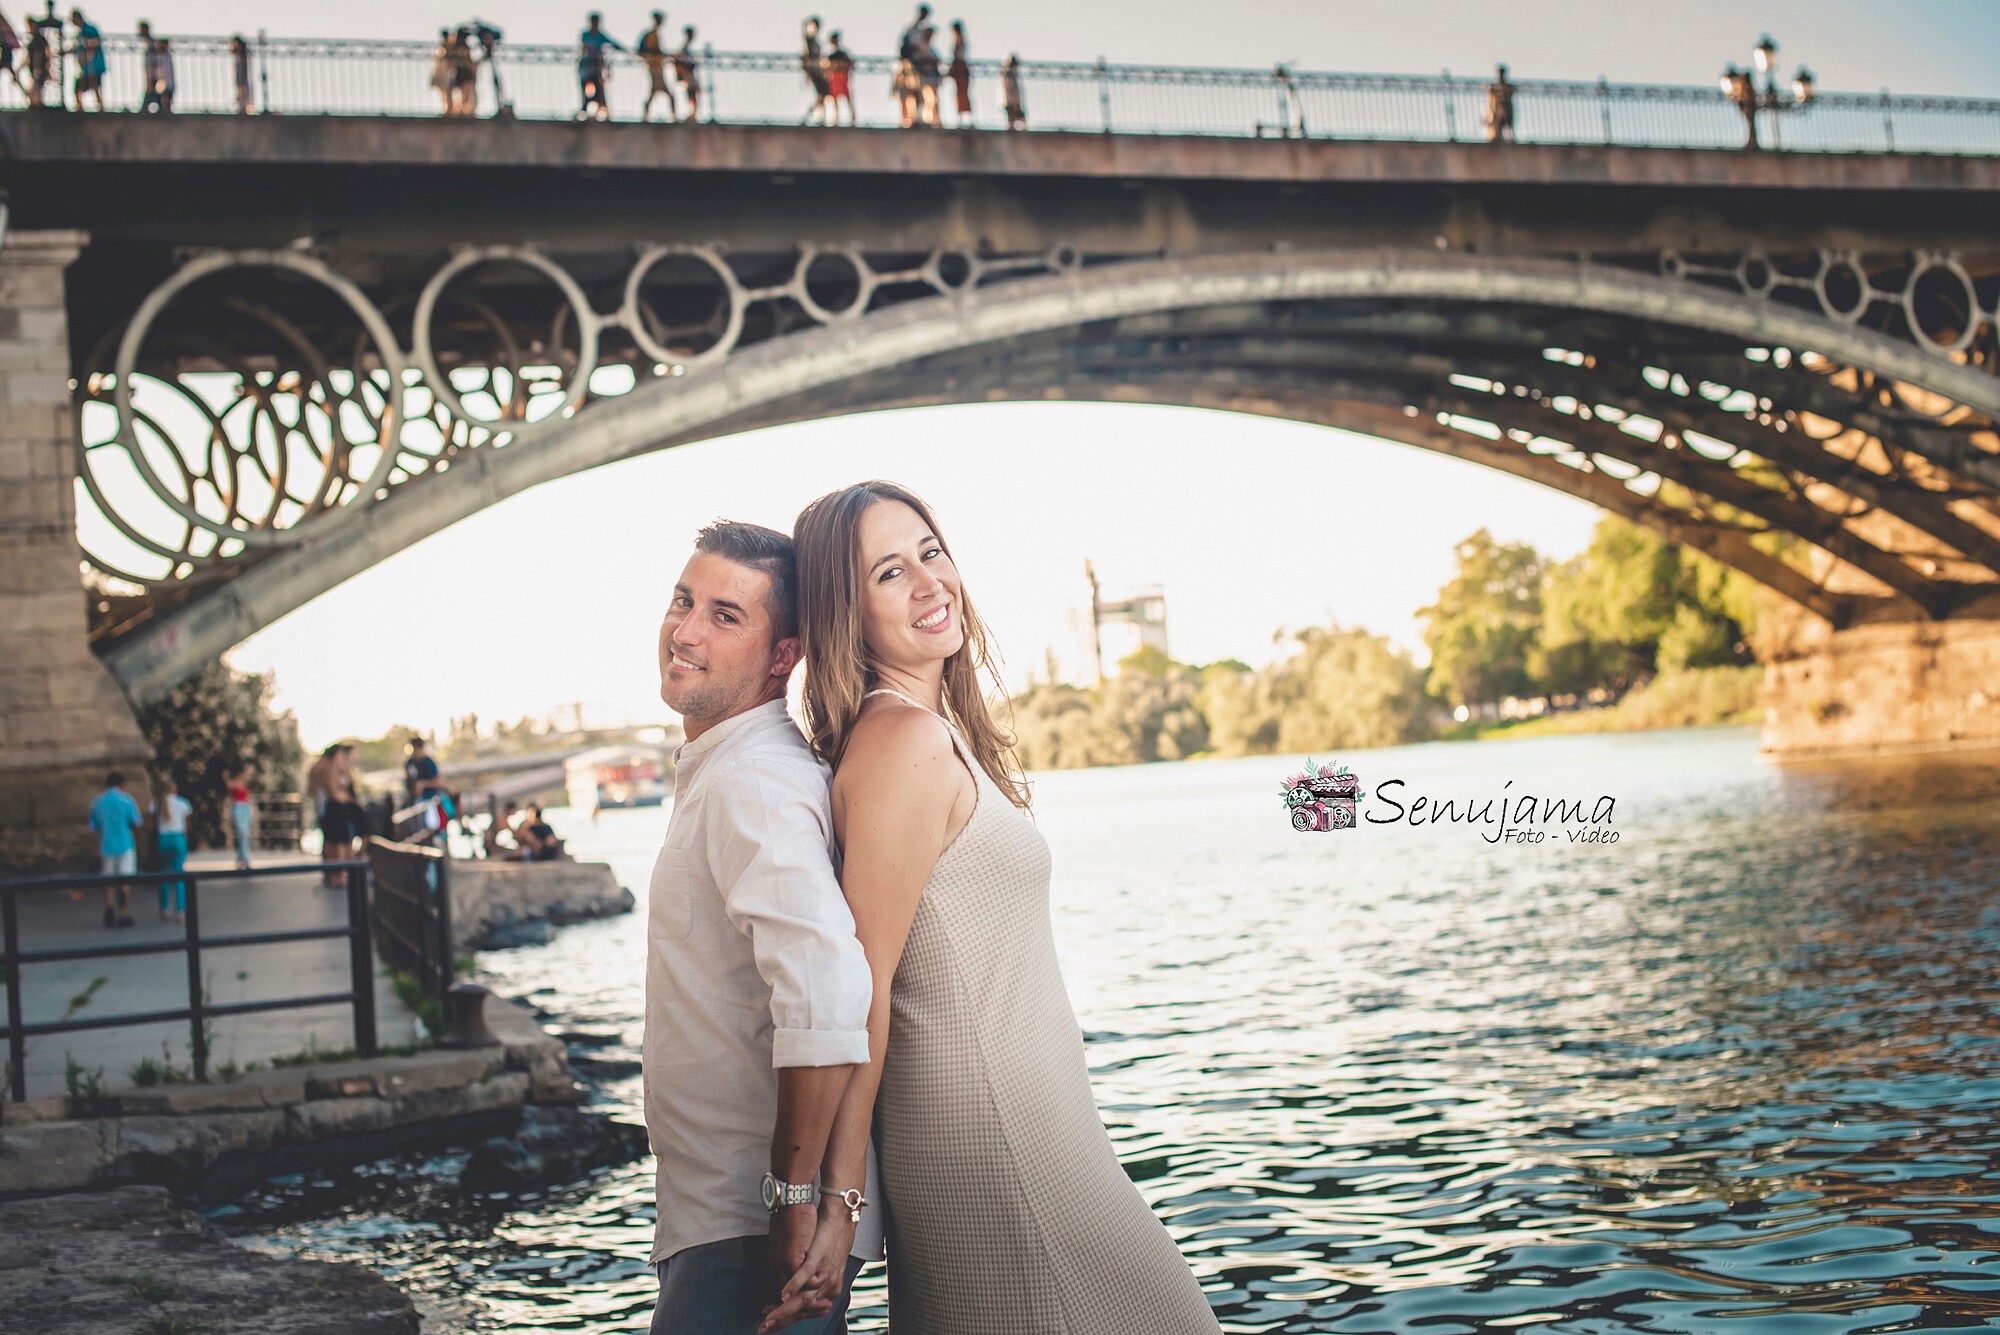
(684,74)
(652,49)
(757,991)
(593,68)
(1500,108)
(89,60)
(420,772)
(114,816)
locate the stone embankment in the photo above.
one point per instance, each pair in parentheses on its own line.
(206,1140)
(125,1260)
(495,905)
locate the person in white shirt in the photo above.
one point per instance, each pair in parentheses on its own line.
(170,815)
(757,989)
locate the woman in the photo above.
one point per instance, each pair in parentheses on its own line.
(240,811)
(1007,1207)
(960,73)
(170,818)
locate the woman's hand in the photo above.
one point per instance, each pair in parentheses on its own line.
(811,1290)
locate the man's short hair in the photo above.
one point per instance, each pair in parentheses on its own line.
(113,779)
(763,549)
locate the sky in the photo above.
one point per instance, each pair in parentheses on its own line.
(553,597)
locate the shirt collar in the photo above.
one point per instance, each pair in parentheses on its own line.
(771,711)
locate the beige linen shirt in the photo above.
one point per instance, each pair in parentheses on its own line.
(751,964)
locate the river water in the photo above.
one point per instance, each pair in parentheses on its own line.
(1737,1071)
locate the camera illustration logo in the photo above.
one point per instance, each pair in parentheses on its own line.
(1322,798)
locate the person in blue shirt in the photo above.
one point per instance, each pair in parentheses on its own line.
(89,60)
(114,816)
(593,68)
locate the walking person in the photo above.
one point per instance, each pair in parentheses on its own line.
(1500,108)
(241,813)
(1011,103)
(89,60)
(114,816)
(159,76)
(976,1069)
(930,76)
(40,60)
(757,990)
(961,75)
(239,70)
(441,71)
(813,65)
(420,772)
(686,76)
(1739,87)
(652,50)
(464,75)
(839,79)
(170,818)
(593,68)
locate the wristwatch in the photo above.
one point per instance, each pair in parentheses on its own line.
(779,1193)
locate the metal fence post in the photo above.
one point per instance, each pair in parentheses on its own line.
(1450,110)
(17,1041)
(1604,98)
(197,1019)
(1104,92)
(446,965)
(1888,123)
(361,957)
(263,75)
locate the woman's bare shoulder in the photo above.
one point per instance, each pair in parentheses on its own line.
(893,737)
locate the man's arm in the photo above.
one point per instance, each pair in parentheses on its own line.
(768,853)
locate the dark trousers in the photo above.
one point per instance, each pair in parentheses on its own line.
(722,1288)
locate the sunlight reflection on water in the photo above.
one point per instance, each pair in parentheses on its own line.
(1738,1070)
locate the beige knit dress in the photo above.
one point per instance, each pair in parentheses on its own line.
(1007,1208)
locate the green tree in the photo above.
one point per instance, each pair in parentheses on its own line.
(1485,622)
(211,724)
(1347,689)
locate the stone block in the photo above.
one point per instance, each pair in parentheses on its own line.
(318,1119)
(21,389)
(509,1089)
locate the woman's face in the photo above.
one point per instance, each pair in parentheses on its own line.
(910,606)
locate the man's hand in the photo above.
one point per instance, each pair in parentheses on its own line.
(791,1235)
(822,1271)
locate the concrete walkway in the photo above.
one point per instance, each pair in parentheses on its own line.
(54,919)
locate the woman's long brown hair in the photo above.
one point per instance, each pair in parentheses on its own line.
(839,672)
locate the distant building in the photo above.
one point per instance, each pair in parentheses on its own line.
(1115,627)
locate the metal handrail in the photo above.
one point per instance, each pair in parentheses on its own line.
(391,77)
(358,932)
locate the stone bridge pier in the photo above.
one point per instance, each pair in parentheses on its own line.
(63,721)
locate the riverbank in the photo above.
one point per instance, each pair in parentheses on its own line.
(129,1260)
(1696,698)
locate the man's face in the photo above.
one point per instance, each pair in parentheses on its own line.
(719,654)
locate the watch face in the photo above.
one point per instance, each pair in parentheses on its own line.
(768,1188)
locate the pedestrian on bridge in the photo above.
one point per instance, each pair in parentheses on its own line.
(159,76)
(593,68)
(239,69)
(652,49)
(1500,108)
(960,73)
(684,74)
(1010,94)
(41,59)
(441,71)
(114,816)
(813,65)
(1740,88)
(89,60)
(839,79)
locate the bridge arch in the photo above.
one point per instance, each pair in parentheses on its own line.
(820,371)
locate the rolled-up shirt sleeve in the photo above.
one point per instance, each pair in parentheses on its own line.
(769,846)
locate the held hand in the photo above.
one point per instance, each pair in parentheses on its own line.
(821,1275)
(791,1234)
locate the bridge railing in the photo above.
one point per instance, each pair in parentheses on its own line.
(295,76)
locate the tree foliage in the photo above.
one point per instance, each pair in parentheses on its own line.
(1485,621)
(210,725)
